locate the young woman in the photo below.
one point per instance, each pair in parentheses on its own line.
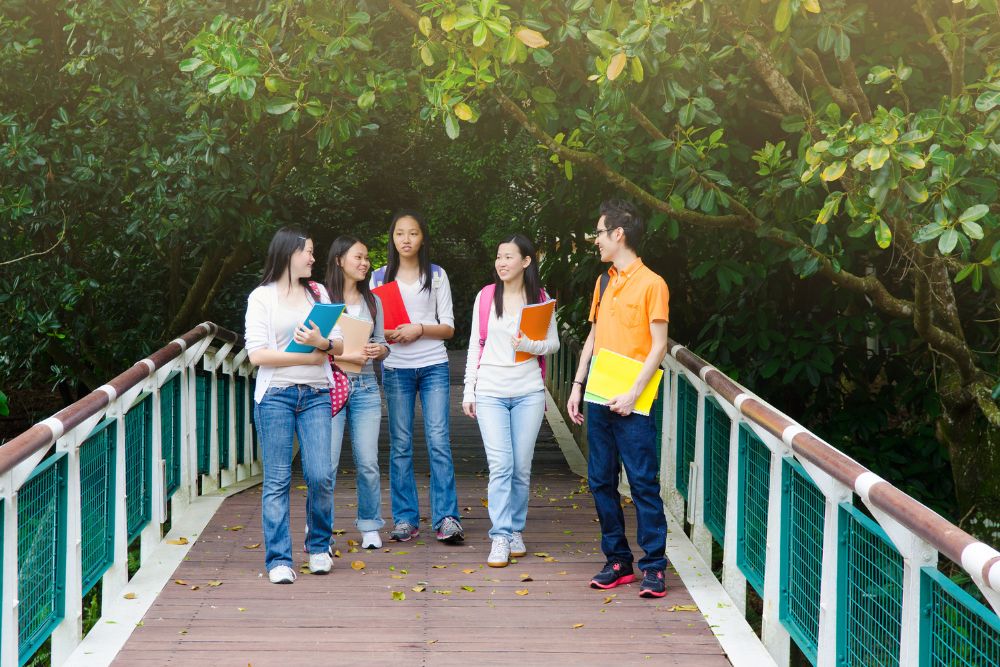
(507,397)
(418,365)
(347,281)
(291,398)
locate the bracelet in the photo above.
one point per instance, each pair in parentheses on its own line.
(578,382)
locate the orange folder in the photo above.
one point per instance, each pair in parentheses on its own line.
(534,323)
(393,308)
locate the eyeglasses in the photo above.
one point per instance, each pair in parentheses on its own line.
(596,234)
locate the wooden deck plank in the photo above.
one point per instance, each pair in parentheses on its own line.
(350,616)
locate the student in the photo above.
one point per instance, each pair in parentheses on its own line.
(347,281)
(291,399)
(628,315)
(507,397)
(418,365)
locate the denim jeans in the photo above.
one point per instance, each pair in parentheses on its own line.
(364,413)
(631,441)
(401,388)
(304,412)
(509,427)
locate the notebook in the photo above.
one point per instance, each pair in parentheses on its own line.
(357,333)
(534,322)
(323,315)
(393,308)
(613,374)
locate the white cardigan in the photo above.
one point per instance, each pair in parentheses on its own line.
(260,334)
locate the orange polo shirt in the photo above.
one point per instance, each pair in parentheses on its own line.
(632,300)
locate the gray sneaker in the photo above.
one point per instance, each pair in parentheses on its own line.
(450,530)
(517,548)
(403,532)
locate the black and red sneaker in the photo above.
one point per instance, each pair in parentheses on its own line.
(652,585)
(615,573)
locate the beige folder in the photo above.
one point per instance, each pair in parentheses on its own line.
(357,333)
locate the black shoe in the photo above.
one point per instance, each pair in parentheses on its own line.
(615,573)
(652,585)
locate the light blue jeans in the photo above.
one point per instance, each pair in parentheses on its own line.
(402,385)
(286,412)
(509,427)
(364,413)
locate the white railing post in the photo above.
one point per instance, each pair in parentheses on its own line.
(152,534)
(732,579)
(230,474)
(68,633)
(8,610)
(916,555)
(116,577)
(834,494)
(700,535)
(673,501)
(776,639)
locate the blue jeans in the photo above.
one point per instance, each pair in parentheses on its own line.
(304,412)
(401,388)
(364,412)
(509,427)
(632,442)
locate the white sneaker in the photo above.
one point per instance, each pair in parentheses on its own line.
(281,574)
(320,563)
(500,553)
(517,548)
(370,539)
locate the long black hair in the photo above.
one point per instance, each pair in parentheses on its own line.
(335,274)
(286,242)
(532,281)
(423,255)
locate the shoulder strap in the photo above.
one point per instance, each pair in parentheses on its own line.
(314,288)
(379,276)
(485,301)
(436,273)
(605,279)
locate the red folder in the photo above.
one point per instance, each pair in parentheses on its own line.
(393,308)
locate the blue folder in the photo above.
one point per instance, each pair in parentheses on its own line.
(323,315)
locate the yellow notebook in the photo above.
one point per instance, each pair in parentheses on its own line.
(356,332)
(613,374)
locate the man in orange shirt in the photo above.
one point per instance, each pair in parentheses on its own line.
(628,315)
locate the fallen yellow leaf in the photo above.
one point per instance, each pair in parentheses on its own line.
(432,641)
(577,626)
(485,502)
(609,598)
(526,577)
(178,541)
(180,582)
(234,528)
(339,531)
(352,550)
(469,588)
(470,570)
(442,592)
(352,543)
(684,607)
(523,591)
(215,584)
(336,554)
(420,588)
(398,596)
(241,609)
(196,588)
(550,559)
(540,554)
(439,567)
(252,546)
(358,565)
(129,596)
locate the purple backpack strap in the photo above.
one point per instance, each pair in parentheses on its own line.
(378,276)
(485,301)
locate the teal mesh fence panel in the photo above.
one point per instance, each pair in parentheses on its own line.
(717,425)
(754,483)
(870,592)
(241,418)
(97,503)
(955,628)
(203,419)
(41,554)
(802,519)
(687,423)
(138,461)
(170,432)
(222,419)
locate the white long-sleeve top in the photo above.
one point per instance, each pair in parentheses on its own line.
(270,326)
(496,374)
(431,306)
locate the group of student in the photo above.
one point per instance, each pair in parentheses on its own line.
(292,397)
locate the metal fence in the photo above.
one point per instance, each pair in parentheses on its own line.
(81,487)
(846,565)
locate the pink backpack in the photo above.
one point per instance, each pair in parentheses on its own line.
(485,303)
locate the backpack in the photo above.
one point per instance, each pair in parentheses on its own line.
(437,276)
(485,301)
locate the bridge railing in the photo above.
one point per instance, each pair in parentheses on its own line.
(851,583)
(79,489)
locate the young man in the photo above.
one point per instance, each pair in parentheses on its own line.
(629,318)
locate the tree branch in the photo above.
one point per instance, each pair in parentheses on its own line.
(813,70)
(850,78)
(935,36)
